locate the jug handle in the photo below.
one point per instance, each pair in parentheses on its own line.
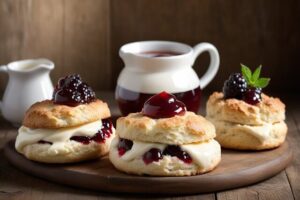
(3,68)
(214,62)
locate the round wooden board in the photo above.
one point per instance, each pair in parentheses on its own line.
(237,168)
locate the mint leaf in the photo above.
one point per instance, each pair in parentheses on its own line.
(262,82)
(253,80)
(256,74)
(246,73)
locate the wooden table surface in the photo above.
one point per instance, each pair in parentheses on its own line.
(15,184)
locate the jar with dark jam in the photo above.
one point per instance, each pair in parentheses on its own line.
(155,66)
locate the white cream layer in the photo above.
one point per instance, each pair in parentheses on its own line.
(261,132)
(58,137)
(203,154)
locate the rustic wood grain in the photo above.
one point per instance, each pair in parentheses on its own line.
(276,188)
(31,29)
(85,36)
(293,171)
(72,33)
(86,41)
(252,32)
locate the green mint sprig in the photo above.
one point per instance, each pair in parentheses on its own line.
(253,79)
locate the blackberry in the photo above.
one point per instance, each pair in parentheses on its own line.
(252,96)
(235,86)
(71,91)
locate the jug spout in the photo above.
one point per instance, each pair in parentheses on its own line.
(31,65)
(43,68)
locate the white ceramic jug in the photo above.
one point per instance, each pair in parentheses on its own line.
(29,82)
(155,66)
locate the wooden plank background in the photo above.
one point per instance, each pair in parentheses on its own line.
(84,36)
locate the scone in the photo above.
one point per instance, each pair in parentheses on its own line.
(72,127)
(164,140)
(244,117)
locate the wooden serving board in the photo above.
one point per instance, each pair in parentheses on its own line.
(237,168)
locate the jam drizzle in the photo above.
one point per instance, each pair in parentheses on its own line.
(100,137)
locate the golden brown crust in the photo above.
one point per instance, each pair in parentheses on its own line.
(46,114)
(269,110)
(189,128)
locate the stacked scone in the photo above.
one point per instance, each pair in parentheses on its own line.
(71,127)
(244,117)
(164,140)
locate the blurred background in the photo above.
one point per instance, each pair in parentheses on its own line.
(84,36)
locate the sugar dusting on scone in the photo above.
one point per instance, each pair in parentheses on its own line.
(164,140)
(244,117)
(72,127)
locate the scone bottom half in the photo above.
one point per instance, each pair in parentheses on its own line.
(72,127)
(146,142)
(244,117)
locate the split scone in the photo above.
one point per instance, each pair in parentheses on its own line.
(67,128)
(253,121)
(161,142)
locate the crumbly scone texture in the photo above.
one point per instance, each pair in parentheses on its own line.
(46,114)
(71,151)
(269,110)
(185,129)
(236,136)
(167,166)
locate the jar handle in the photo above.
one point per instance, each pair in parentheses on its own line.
(3,68)
(214,62)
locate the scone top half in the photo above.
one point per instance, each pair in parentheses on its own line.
(48,115)
(269,110)
(177,130)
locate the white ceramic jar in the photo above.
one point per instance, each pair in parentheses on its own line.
(29,82)
(155,66)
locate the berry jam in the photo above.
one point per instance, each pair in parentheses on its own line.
(153,155)
(173,150)
(163,105)
(131,102)
(124,145)
(71,91)
(100,137)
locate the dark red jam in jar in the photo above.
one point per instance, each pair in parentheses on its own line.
(130,101)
